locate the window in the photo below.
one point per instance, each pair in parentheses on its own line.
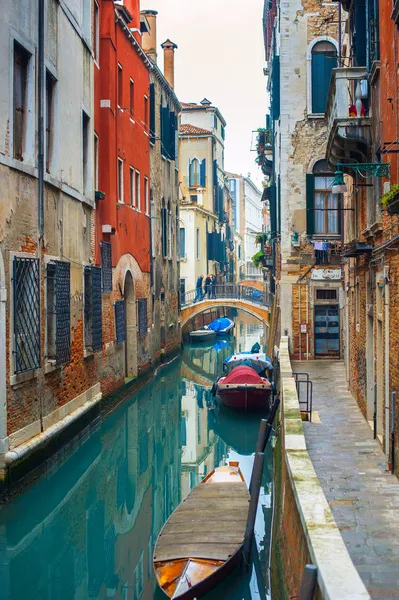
(223,133)
(215,122)
(50,101)
(169,230)
(322,206)
(197,173)
(164,230)
(85,150)
(20,108)
(182,291)
(182,242)
(146,113)
(120,86)
(95,161)
(194,198)
(120,181)
(131,177)
(197,243)
(120,321)
(324,60)
(106,266)
(131,99)
(142,316)
(326,294)
(58,311)
(26,286)
(96,32)
(137,189)
(153,226)
(146,196)
(358,303)
(92,309)
(152,113)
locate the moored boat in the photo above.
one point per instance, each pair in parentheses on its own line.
(222,326)
(203,335)
(244,388)
(202,540)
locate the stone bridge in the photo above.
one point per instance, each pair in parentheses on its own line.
(247,299)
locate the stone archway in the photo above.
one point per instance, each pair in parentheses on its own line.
(3,388)
(131,327)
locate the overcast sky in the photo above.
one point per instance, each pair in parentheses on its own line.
(220,56)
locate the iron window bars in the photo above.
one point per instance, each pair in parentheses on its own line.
(92,308)
(120,321)
(106,266)
(58,312)
(26,294)
(142,316)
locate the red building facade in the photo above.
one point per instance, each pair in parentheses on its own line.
(122,181)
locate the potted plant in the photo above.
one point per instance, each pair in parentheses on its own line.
(390,201)
(259,259)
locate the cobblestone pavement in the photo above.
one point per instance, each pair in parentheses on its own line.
(352,469)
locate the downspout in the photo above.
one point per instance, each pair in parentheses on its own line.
(299,318)
(307,319)
(40,119)
(386,365)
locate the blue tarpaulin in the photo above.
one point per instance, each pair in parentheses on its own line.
(219,324)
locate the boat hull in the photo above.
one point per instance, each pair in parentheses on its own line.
(245,397)
(205,335)
(227,330)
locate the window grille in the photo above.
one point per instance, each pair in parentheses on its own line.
(92,308)
(26,287)
(58,312)
(326,294)
(120,322)
(106,266)
(142,316)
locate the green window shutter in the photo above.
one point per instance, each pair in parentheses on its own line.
(275,99)
(203,173)
(309,204)
(273,209)
(152,113)
(360,28)
(340,213)
(279,204)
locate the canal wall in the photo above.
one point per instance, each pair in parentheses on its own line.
(304,530)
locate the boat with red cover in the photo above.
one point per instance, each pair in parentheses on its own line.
(244,388)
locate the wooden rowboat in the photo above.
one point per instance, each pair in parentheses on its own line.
(202,540)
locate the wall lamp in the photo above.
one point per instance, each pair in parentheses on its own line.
(365,170)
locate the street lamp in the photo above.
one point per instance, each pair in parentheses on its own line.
(365,170)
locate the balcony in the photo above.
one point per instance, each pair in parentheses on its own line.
(264,149)
(348,120)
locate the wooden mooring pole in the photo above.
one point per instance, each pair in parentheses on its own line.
(256,481)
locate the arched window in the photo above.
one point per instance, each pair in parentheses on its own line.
(326,220)
(164,229)
(324,60)
(197,173)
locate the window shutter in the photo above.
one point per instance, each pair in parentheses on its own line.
(182,242)
(152,113)
(273,209)
(340,213)
(360,28)
(203,173)
(309,204)
(322,66)
(164,232)
(275,99)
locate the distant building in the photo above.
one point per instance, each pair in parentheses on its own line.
(46,221)
(164,195)
(202,193)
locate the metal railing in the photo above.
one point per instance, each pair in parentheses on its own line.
(305,399)
(227,291)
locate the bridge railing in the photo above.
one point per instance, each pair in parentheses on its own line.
(226,291)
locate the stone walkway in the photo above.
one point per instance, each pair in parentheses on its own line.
(352,469)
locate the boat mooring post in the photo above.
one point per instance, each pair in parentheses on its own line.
(256,482)
(308,585)
(265,427)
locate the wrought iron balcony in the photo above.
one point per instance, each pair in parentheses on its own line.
(349,123)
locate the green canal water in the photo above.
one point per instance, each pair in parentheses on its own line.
(87,528)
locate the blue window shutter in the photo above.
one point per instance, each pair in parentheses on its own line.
(322,66)
(190,173)
(273,209)
(182,242)
(152,113)
(309,204)
(275,99)
(360,28)
(203,173)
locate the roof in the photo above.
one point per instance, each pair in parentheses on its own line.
(204,105)
(187,129)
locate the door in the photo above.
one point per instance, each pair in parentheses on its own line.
(326,331)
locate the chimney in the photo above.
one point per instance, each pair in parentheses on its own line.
(169,62)
(149,38)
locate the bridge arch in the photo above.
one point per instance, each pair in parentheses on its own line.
(258,311)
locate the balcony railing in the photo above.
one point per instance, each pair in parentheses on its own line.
(349,123)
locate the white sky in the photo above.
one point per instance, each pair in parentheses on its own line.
(220,56)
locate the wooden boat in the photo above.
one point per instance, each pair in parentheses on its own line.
(202,335)
(222,326)
(244,388)
(202,540)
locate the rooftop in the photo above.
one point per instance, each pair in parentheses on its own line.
(187,129)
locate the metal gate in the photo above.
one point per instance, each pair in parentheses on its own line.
(326,331)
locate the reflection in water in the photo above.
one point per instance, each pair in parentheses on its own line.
(87,529)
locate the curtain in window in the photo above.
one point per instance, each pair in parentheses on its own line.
(193,172)
(332,213)
(319,214)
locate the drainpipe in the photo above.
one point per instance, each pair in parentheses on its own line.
(307,320)
(299,318)
(40,118)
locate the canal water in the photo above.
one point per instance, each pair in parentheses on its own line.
(87,528)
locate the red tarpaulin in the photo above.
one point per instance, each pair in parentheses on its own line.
(243,375)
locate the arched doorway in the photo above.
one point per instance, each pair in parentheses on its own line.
(131,327)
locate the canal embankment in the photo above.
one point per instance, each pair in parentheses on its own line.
(304,529)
